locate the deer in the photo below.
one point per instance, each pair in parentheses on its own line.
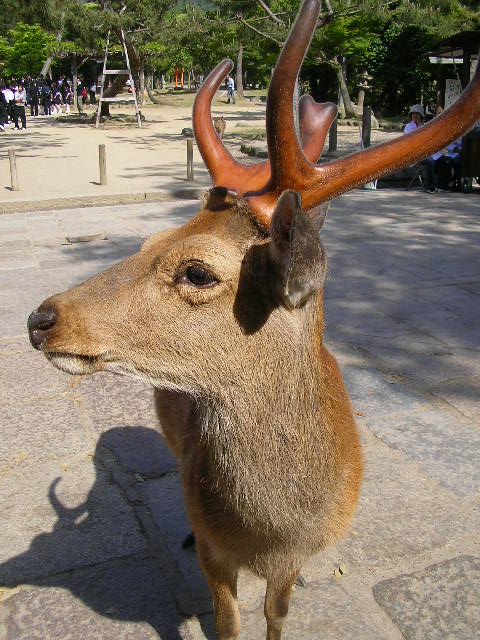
(219,125)
(224,317)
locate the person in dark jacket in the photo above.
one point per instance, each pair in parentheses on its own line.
(32,96)
(46,94)
(3,111)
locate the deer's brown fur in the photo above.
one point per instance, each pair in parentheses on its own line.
(219,125)
(224,316)
(268,453)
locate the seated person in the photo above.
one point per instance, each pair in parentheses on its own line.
(447,166)
(417,117)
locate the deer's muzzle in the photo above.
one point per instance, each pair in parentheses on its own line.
(40,325)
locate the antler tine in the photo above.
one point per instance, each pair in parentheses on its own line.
(292,170)
(224,169)
(315,121)
(340,175)
(214,154)
(284,150)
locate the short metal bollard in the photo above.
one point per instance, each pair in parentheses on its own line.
(190,177)
(102,161)
(13,169)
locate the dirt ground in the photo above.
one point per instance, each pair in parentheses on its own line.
(57,159)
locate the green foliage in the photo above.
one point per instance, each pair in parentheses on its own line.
(24,49)
(389,38)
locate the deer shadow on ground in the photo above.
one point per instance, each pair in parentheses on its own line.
(126,584)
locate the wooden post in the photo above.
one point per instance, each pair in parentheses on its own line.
(190,159)
(13,169)
(102,160)
(332,136)
(366,126)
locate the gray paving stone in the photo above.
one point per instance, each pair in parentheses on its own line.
(375,394)
(124,600)
(57,517)
(164,498)
(321,610)
(433,366)
(12,261)
(447,449)
(464,395)
(118,401)
(27,376)
(440,601)
(34,285)
(400,516)
(140,450)
(40,431)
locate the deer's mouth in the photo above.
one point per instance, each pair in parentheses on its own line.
(76,364)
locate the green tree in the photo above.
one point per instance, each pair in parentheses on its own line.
(24,49)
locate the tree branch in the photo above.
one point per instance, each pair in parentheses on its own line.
(270,12)
(264,35)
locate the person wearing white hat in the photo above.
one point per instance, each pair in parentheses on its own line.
(417,116)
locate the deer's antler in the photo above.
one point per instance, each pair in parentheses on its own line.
(292,168)
(315,121)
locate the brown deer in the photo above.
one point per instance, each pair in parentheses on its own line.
(224,316)
(219,125)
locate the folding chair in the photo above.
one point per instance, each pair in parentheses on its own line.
(418,175)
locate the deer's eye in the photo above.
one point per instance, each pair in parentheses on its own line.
(198,276)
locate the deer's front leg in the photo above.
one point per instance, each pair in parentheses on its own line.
(277,599)
(222,581)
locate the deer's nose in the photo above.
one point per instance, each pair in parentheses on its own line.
(39,324)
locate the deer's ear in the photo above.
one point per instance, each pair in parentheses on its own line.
(296,251)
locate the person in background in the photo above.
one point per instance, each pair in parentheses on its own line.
(230,90)
(56,99)
(66,95)
(32,96)
(20,98)
(9,97)
(92,91)
(46,99)
(448,166)
(417,116)
(3,110)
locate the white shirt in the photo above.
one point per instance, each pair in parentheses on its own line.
(231,84)
(411,126)
(8,93)
(20,98)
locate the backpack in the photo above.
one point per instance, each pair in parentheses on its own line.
(46,91)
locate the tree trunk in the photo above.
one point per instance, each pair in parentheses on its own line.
(349,109)
(151,96)
(141,83)
(48,62)
(240,72)
(119,81)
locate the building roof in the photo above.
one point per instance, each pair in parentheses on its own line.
(455,45)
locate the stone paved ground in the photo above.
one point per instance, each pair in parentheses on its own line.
(92,515)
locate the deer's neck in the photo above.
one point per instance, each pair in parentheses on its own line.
(262,434)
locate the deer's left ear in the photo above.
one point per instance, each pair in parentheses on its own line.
(295,249)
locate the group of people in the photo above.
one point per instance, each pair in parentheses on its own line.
(17,94)
(441,169)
